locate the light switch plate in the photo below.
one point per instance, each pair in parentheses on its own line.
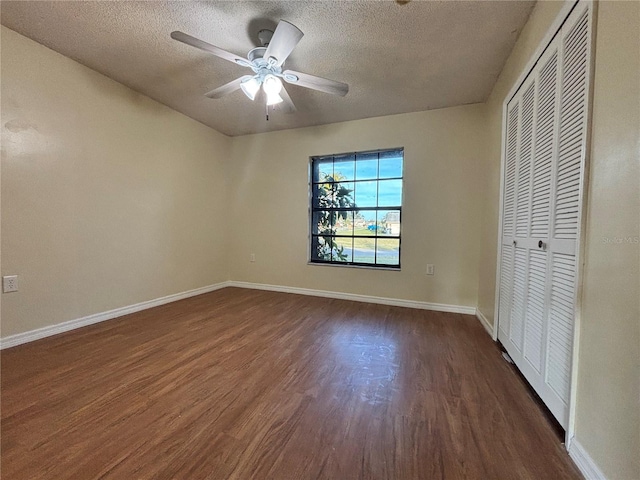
(430,269)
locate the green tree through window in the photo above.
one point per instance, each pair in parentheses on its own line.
(332,197)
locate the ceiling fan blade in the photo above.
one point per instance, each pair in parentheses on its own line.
(227,88)
(284,40)
(315,83)
(286,105)
(207,47)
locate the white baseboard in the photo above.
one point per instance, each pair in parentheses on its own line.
(20,338)
(439,307)
(30,336)
(485,323)
(584,462)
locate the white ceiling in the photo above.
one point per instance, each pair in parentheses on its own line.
(396,58)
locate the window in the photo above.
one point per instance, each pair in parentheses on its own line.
(356,208)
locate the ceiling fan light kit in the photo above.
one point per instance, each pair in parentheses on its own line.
(272,86)
(250,87)
(267,62)
(274,99)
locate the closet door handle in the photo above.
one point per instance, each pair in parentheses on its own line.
(542,245)
(515,243)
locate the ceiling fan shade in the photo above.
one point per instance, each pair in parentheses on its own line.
(250,87)
(286,105)
(272,84)
(273,99)
(228,87)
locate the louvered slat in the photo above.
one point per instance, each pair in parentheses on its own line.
(572,119)
(535,309)
(518,308)
(524,163)
(510,172)
(560,335)
(506,287)
(544,142)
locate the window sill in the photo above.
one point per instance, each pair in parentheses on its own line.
(387,269)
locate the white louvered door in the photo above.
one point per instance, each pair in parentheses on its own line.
(543,174)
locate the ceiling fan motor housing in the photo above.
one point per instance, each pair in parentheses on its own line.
(256,54)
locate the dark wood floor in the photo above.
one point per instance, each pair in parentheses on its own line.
(259,385)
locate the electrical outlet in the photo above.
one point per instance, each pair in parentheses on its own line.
(430,269)
(10,283)
(252,257)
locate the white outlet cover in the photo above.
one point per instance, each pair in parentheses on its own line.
(10,283)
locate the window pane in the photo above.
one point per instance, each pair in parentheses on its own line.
(321,223)
(366,166)
(343,195)
(333,195)
(339,253)
(365,222)
(361,220)
(344,224)
(388,251)
(395,153)
(391,164)
(390,193)
(322,168)
(321,195)
(344,249)
(364,250)
(344,167)
(319,249)
(389,222)
(366,194)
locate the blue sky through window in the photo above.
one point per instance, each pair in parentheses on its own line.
(345,168)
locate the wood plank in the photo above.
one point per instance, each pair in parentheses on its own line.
(246,384)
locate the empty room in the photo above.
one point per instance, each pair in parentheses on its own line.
(330,239)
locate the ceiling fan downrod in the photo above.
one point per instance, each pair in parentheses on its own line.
(264,37)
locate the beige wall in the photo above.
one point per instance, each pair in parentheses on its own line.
(608,407)
(608,401)
(443,159)
(108,198)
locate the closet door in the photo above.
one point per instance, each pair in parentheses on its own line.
(508,222)
(544,170)
(523,323)
(522,240)
(568,177)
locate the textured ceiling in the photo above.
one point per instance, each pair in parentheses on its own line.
(396,58)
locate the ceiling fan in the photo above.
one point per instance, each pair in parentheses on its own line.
(267,63)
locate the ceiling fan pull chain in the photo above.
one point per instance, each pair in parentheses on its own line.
(267,111)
